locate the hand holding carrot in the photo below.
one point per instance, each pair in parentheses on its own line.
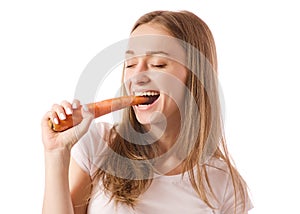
(66,123)
(58,115)
(98,109)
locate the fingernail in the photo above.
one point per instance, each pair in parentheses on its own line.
(55,120)
(62,116)
(68,111)
(74,106)
(85,108)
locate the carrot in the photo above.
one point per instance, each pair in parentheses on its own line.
(98,109)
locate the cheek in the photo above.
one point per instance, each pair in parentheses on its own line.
(126,81)
(184,75)
(125,75)
(181,73)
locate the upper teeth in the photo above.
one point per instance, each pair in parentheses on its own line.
(146,93)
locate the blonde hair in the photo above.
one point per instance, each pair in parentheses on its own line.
(205,129)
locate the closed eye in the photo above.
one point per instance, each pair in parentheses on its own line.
(160,66)
(130,66)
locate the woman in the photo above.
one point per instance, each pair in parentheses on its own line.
(168,156)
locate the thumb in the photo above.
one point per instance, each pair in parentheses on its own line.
(80,129)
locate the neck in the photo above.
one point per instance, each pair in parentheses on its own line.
(166,133)
(169,138)
(169,163)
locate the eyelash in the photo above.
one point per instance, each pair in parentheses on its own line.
(159,65)
(129,66)
(156,66)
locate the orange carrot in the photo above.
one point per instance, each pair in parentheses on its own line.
(98,109)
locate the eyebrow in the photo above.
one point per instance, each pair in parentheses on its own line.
(131,52)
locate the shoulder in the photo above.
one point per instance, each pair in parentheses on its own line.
(95,138)
(99,130)
(221,181)
(218,174)
(217,170)
(89,148)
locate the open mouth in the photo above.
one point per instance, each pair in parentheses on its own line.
(151,95)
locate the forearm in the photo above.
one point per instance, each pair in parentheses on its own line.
(57,198)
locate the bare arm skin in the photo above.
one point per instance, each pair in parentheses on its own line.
(57,197)
(80,188)
(57,147)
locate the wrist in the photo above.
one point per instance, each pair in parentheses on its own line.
(59,158)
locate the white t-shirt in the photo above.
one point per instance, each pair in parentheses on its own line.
(166,194)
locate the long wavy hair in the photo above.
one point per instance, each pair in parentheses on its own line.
(201,134)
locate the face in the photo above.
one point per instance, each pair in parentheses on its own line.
(154,67)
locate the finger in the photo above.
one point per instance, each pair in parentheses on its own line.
(59,111)
(86,114)
(83,127)
(75,133)
(67,107)
(75,104)
(52,116)
(46,126)
(48,116)
(86,121)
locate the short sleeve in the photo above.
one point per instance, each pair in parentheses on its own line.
(221,182)
(88,150)
(228,206)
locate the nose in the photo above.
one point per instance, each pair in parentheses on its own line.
(139,74)
(140,78)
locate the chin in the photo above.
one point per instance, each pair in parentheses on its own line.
(143,119)
(154,118)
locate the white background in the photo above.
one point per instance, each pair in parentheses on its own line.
(45,45)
